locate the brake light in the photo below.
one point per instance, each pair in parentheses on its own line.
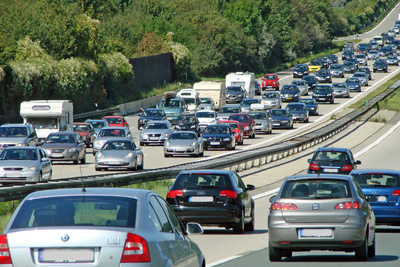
(174,193)
(5,257)
(314,167)
(396,193)
(228,193)
(135,250)
(283,206)
(348,206)
(347,167)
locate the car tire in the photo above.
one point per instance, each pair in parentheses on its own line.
(372,249)
(238,228)
(141,166)
(201,154)
(166,155)
(251,225)
(40,178)
(286,253)
(50,175)
(361,253)
(77,160)
(98,169)
(83,160)
(275,254)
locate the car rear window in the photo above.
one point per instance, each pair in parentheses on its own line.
(377,180)
(202,181)
(331,156)
(77,211)
(316,189)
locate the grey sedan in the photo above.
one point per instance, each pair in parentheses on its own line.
(362,76)
(320,212)
(65,146)
(340,90)
(108,134)
(99,227)
(271,100)
(119,154)
(184,143)
(155,132)
(24,164)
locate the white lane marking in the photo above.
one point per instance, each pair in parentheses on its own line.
(270,192)
(223,260)
(379,140)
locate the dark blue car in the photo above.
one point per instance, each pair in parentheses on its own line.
(312,106)
(219,136)
(281,118)
(290,93)
(382,189)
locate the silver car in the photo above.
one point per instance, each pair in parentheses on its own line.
(207,103)
(65,146)
(373,54)
(320,212)
(24,164)
(17,135)
(263,121)
(271,100)
(227,110)
(302,85)
(362,59)
(108,134)
(362,76)
(184,143)
(98,227)
(340,90)
(155,132)
(97,124)
(206,117)
(119,154)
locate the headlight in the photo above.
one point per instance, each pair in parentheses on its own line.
(226,139)
(99,155)
(96,143)
(285,120)
(140,120)
(31,168)
(168,143)
(296,95)
(72,149)
(240,95)
(129,155)
(236,134)
(193,126)
(177,127)
(193,144)
(312,108)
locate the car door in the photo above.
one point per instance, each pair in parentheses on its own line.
(45,163)
(32,137)
(80,146)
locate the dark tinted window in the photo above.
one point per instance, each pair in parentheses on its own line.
(331,156)
(201,180)
(316,189)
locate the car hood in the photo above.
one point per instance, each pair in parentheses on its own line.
(12,140)
(115,153)
(106,138)
(18,163)
(159,131)
(215,135)
(288,93)
(181,142)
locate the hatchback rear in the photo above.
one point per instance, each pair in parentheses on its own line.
(332,160)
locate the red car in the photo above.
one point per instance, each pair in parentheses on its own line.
(116,121)
(237,129)
(246,122)
(86,132)
(270,81)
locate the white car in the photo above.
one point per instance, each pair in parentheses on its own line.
(206,117)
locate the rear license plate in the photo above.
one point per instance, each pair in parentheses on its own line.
(65,255)
(214,143)
(201,199)
(331,170)
(315,233)
(381,199)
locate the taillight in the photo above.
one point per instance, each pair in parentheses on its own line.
(135,249)
(5,257)
(174,193)
(314,167)
(348,206)
(347,168)
(396,193)
(283,206)
(228,193)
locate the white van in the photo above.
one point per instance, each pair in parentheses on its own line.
(192,99)
(245,79)
(214,90)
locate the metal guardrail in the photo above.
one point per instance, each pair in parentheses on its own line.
(238,161)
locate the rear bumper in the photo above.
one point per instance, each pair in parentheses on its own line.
(213,216)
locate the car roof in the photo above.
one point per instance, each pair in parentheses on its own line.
(338,149)
(14,125)
(207,171)
(62,133)
(116,128)
(321,176)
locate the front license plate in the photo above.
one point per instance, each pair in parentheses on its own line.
(315,233)
(12,175)
(53,155)
(153,138)
(214,143)
(65,255)
(331,170)
(276,124)
(289,98)
(201,199)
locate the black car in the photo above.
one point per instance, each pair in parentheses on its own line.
(235,94)
(311,81)
(385,51)
(332,160)
(300,70)
(323,61)
(349,67)
(290,92)
(347,54)
(188,122)
(380,65)
(323,93)
(332,59)
(281,118)
(257,87)
(151,114)
(323,76)
(213,197)
(219,136)
(363,48)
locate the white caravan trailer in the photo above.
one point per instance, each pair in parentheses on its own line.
(214,90)
(48,116)
(245,79)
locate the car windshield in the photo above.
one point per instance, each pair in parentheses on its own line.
(331,156)
(352,80)
(362,75)
(240,118)
(316,189)
(248,102)
(152,112)
(322,89)
(309,78)
(77,211)
(184,136)
(186,119)
(339,85)
(348,64)
(290,88)
(151,126)
(205,100)
(258,115)
(81,128)
(323,72)
(196,181)
(335,67)
(229,110)
(314,62)
(190,101)
(111,133)
(205,115)
(278,112)
(114,120)
(63,138)
(118,145)
(234,89)
(13,132)
(233,125)
(217,129)
(298,82)
(19,154)
(270,95)
(269,77)
(301,67)
(97,124)
(372,179)
(295,107)
(307,101)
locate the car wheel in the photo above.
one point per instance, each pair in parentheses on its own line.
(361,253)
(77,159)
(233,147)
(238,228)
(166,155)
(141,143)
(291,126)
(307,120)
(275,254)
(50,175)
(371,249)
(40,177)
(332,101)
(98,169)
(83,160)
(141,166)
(201,154)
(251,225)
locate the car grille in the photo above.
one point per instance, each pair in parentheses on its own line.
(154,135)
(12,168)
(57,150)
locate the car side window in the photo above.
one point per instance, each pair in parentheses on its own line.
(358,187)
(174,219)
(42,153)
(158,216)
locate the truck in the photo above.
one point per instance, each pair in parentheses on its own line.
(213,90)
(48,116)
(245,79)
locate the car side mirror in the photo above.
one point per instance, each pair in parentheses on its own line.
(194,229)
(272,199)
(45,159)
(358,162)
(250,187)
(309,160)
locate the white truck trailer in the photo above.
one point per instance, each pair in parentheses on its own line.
(214,90)
(48,116)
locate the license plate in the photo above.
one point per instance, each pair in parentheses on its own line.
(315,233)
(381,199)
(288,98)
(201,199)
(12,175)
(153,138)
(65,255)
(214,143)
(53,155)
(331,170)
(276,124)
